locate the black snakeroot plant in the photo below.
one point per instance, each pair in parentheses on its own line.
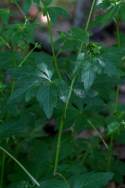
(77,87)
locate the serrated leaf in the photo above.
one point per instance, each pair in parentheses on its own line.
(92,180)
(47,97)
(55,12)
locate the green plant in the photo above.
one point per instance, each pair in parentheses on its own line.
(76,87)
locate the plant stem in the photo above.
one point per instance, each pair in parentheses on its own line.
(21,11)
(21,166)
(2,170)
(88,21)
(5,42)
(70,90)
(63,178)
(69,95)
(52,46)
(99,134)
(62,125)
(26,57)
(90,15)
(58,145)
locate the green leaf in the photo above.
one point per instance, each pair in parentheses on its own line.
(87,78)
(47,97)
(30,79)
(18,128)
(19,92)
(110,69)
(92,180)
(113,128)
(106,18)
(55,12)
(79,62)
(79,34)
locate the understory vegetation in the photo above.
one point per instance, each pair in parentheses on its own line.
(62,119)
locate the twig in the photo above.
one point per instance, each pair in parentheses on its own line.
(99,134)
(21,166)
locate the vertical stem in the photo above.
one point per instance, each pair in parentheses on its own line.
(52,46)
(61,127)
(69,95)
(58,146)
(2,170)
(88,20)
(90,15)
(70,90)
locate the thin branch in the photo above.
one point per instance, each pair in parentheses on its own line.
(21,166)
